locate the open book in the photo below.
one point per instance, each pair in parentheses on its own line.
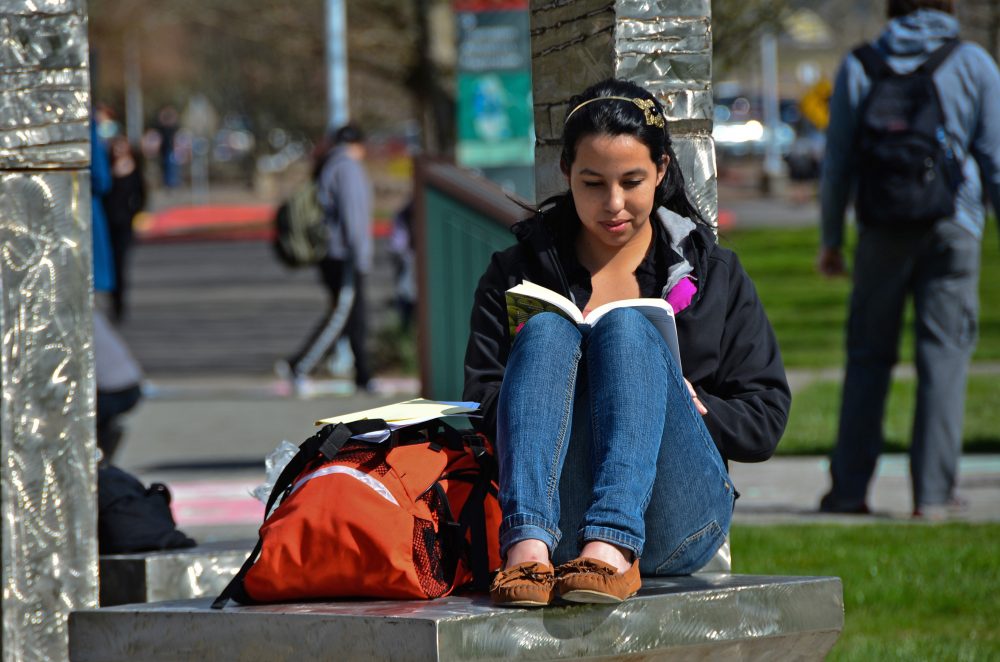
(528,299)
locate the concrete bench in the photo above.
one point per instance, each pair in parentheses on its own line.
(706,616)
(176,574)
(203,571)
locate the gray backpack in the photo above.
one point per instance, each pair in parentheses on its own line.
(300,232)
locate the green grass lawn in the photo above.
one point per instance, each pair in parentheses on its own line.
(808,313)
(808,310)
(812,423)
(911,592)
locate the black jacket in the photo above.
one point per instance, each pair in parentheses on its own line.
(728,349)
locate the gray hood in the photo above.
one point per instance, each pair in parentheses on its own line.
(678,229)
(917,33)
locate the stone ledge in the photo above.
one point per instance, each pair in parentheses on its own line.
(176,574)
(685,618)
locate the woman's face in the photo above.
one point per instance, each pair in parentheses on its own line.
(613,181)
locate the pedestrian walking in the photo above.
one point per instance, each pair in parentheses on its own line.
(915,131)
(167,127)
(612,455)
(345,194)
(123,202)
(404,259)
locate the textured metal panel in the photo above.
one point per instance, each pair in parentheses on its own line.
(44,85)
(41,7)
(48,497)
(700,617)
(183,574)
(696,157)
(654,10)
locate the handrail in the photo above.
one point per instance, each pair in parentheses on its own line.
(472,190)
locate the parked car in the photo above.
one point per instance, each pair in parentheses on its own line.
(739,128)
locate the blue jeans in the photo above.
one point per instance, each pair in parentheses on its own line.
(597,435)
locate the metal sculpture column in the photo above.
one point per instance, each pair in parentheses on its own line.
(47,497)
(663,45)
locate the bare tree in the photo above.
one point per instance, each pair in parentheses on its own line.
(265,60)
(737,26)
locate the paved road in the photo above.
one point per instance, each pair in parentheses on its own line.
(227,307)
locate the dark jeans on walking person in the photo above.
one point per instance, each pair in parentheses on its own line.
(121,243)
(940,269)
(346,315)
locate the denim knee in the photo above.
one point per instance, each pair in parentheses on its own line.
(628,330)
(626,321)
(548,326)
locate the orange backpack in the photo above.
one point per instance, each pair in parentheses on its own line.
(415,516)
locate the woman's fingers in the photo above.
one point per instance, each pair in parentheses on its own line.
(694,396)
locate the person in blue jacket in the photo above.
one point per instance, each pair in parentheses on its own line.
(100,185)
(938,265)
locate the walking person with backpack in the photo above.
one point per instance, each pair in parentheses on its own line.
(915,132)
(344,193)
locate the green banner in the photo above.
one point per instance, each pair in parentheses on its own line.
(495,121)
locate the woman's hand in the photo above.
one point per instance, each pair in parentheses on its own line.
(694,396)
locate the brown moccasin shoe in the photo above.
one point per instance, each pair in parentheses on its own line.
(530,584)
(593,581)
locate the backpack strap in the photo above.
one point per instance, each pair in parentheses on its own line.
(875,65)
(473,518)
(935,59)
(326,443)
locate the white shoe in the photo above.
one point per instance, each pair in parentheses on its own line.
(298,384)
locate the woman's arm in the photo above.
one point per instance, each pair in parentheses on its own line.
(749,398)
(488,347)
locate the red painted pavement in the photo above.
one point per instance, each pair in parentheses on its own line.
(228,222)
(215,503)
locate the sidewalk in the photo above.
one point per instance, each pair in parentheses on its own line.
(207,439)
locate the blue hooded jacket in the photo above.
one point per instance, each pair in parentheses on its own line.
(100,184)
(968,84)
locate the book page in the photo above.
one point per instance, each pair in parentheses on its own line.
(528,299)
(603,309)
(409,412)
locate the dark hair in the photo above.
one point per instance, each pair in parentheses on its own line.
(349,133)
(898,8)
(615,117)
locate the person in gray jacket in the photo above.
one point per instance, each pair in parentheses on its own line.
(936,264)
(345,194)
